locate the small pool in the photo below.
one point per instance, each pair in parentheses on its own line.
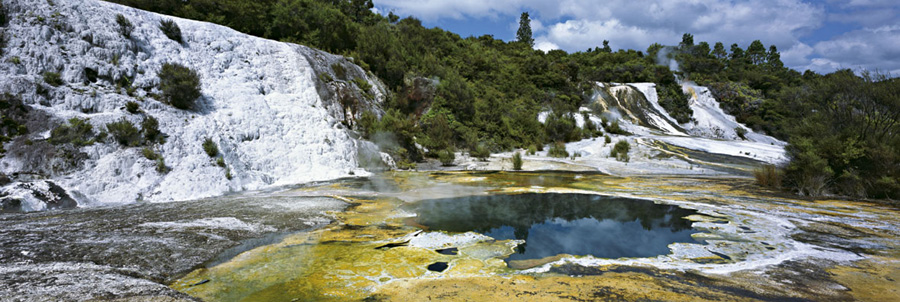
(553,224)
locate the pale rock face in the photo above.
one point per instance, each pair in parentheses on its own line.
(275,121)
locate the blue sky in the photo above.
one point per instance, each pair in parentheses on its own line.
(819,35)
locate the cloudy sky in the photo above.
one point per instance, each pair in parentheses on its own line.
(820,35)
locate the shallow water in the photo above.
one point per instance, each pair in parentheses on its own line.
(553,224)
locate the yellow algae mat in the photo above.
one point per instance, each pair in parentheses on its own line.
(751,245)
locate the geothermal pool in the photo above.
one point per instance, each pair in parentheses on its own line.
(551,224)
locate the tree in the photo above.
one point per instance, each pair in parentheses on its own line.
(606,47)
(687,41)
(774,58)
(737,54)
(702,50)
(524,33)
(757,52)
(719,51)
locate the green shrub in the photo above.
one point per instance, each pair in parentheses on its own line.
(606,139)
(171,29)
(125,26)
(362,84)
(339,70)
(368,123)
(125,133)
(558,149)
(78,132)
(675,102)
(741,132)
(2,41)
(161,165)
(614,128)
(531,150)
(768,176)
(53,78)
(446,157)
(132,107)
(210,147)
(228,173)
(180,85)
(3,15)
(220,162)
(620,151)
(149,154)
(14,60)
(150,129)
(481,152)
(517,161)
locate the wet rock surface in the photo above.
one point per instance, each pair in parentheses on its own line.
(131,251)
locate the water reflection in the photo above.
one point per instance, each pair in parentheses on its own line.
(553,224)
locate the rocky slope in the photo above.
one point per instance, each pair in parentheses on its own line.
(279,113)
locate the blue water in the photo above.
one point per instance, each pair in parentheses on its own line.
(553,224)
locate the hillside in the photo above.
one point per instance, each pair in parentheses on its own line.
(278,113)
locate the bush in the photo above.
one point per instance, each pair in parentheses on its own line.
(132,107)
(161,165)
(614,128)
(517,161)
(13,115)
(220,162)
(149,154)
(368,123)
(171,29)
(768,176)
(481,152)
(125,133)
(180,85)
(125,26)
(620,151)
(558,149)
(210,147)
(607,139)
(362,84)
(531,150)
(447,157)
(3,40)
(53,78)
(3,15)
(78,132)
(150,129)
(741,132)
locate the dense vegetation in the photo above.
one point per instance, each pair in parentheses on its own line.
(487,92)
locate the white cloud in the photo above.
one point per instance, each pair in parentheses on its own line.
(870,48)
(576,25)
(797,55)
(544,45)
